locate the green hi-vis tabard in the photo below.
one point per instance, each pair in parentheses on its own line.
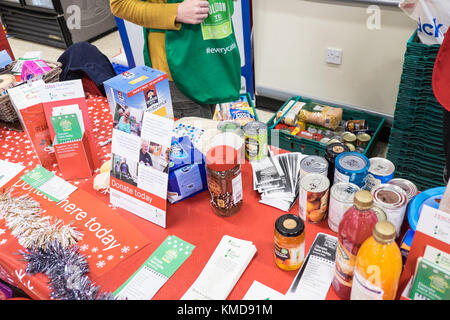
(204,59)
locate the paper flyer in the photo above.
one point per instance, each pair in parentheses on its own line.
(155,272)
(141,141)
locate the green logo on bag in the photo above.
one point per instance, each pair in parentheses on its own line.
(218,23)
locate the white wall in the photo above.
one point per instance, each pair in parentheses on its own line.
(290,41)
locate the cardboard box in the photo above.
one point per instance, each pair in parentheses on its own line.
(141,88)
(187,175)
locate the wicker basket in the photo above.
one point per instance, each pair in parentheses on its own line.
(7,111)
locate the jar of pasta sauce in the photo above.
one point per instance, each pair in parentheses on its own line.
(289,241)
(223,172)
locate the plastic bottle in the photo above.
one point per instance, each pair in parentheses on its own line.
(378,266)
(355,227)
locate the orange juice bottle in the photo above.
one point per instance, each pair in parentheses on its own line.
(378,265)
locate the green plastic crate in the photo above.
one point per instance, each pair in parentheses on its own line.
(286,141)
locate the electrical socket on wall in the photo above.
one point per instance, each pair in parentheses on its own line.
(334,56)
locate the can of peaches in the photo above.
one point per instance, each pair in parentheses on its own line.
(313,197)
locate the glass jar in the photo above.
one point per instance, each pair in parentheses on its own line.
(224,177)
(289,239)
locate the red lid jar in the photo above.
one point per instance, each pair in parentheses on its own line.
(224,177)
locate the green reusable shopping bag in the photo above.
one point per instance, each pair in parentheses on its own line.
(204,59)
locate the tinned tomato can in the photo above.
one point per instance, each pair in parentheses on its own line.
(313,197)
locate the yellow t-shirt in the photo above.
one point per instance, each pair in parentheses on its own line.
(155,14)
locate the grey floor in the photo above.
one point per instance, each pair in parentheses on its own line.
(111,45)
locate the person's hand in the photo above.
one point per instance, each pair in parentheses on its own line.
(192,11)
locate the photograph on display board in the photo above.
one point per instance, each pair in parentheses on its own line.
(154,155)
(129,120)
(124,170)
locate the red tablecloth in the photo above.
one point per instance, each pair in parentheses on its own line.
(192,220)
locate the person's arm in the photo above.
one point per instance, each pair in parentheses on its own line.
(165,16)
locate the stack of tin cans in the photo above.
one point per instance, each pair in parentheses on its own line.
(328,185)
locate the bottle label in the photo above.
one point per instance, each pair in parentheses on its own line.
(345,263)
(237,188)
(364,289)
(290,256)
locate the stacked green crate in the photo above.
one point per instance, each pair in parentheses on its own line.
(416,142)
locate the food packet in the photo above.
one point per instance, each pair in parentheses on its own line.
(291,117)
(321,115)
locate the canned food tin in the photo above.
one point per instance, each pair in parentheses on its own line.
(313,199)
(229,126)
(360,150)
(331,153)
(393,201)
(328,134)
(341,199)
(349,137)
(333,141)
(325,140)
(314,164)
(351,167)
(312,130)
(356,125)
(255,135)
(340,130)
(362,140)
(339,138)
(409,187)
(380,172)
(381,215)
(351,147)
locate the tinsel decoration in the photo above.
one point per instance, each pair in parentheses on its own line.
(51,249)
(67,271)
(23,217)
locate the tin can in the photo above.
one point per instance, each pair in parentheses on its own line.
(338,138)
(328,134)
(381,215)
(351,147)
(341,199)
(229,126)
(255,137)
(380,172)
(313,198)
(360,150)
(351,167)
(393,201)
(332,141)
(340,130)
(349,137)
(407,186)
(331,153)
(324,140)
(314,164)
(362,140)
(356,125)
(312,130)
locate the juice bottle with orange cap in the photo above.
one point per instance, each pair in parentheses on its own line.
(355,227)
(378,265)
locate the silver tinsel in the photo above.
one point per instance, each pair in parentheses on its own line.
(67,271)
(51,249)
